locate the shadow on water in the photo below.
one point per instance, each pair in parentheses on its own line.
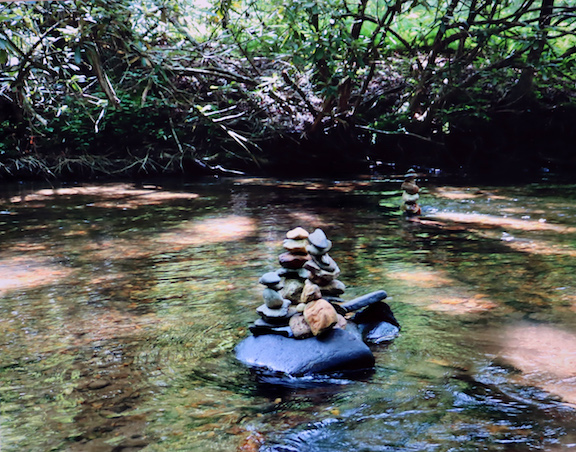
(120,307)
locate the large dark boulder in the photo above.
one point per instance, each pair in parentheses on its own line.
(336,350)
(275,349)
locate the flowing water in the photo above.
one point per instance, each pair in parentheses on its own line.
(120,306)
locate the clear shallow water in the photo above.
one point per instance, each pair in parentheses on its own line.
(120,307)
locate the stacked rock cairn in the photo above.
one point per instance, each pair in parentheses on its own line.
(410,195)
(300,299)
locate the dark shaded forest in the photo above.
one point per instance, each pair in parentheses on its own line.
(297,88)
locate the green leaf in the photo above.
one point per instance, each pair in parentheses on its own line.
(77,55)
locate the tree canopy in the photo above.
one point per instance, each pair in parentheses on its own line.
(117,87)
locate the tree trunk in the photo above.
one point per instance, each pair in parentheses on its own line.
(524,88)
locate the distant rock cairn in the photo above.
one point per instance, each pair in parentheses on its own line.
(410,195)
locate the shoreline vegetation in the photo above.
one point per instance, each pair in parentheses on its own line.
(109,89)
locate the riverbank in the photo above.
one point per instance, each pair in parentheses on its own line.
(93,92)
(507,145)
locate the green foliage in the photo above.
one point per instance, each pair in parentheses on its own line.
(454,46)
(151,71)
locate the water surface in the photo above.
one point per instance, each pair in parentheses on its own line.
(120,306)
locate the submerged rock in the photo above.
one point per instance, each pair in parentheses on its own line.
(377,333)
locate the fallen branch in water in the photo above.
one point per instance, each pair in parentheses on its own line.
(405,133)
(217,169)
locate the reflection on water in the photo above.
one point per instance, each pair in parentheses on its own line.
(120,306)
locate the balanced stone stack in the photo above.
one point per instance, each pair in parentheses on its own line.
(292,262)
(323,270)
(318,314)
(274,313)
(301,329)
(295,297)
(410,194)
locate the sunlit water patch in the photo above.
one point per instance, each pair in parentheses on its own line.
(20,273)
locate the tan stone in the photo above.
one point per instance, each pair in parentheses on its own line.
(410,188)
(410,198)
(295,246)
(320,315)
(310,292)
(299,327)
(292,290)
(297,233)
(341,322)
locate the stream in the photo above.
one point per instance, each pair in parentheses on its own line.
(121,305)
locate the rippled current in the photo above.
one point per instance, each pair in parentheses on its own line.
(121,304)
